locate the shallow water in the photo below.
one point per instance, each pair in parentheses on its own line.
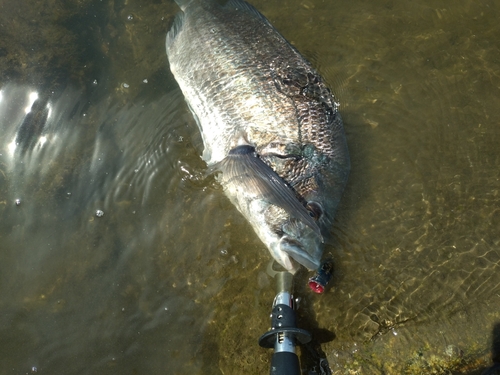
(171,279)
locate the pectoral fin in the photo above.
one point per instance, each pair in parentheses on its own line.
(244,167)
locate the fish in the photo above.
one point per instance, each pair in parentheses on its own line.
(271,127)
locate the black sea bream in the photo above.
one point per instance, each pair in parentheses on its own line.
(270,126)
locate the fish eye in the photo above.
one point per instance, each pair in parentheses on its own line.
(315,210)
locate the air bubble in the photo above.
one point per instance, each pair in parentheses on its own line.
(125,85)
(99,213)
(145,80)
(18,202)
(130,17)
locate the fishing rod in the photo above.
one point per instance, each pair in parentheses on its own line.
(284,334)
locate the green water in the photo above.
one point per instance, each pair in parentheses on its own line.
(171,279)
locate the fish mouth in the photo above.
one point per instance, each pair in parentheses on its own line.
(296,250)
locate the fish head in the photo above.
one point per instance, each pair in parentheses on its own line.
(290,241)
(286,225)
(318,175)
(293,241)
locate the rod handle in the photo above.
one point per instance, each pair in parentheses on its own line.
(285,363)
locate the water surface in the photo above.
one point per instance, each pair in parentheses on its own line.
(171,279)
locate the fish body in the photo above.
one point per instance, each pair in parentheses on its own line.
(269,124)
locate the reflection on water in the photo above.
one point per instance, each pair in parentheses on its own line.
(171,279)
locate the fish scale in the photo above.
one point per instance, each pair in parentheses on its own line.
(270,125)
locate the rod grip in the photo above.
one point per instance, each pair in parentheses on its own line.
(285,363)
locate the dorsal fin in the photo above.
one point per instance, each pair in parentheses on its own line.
(175,29)
(245,7)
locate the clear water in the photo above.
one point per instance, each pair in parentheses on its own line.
(171,279)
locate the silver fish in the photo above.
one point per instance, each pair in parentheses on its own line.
(270,126)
